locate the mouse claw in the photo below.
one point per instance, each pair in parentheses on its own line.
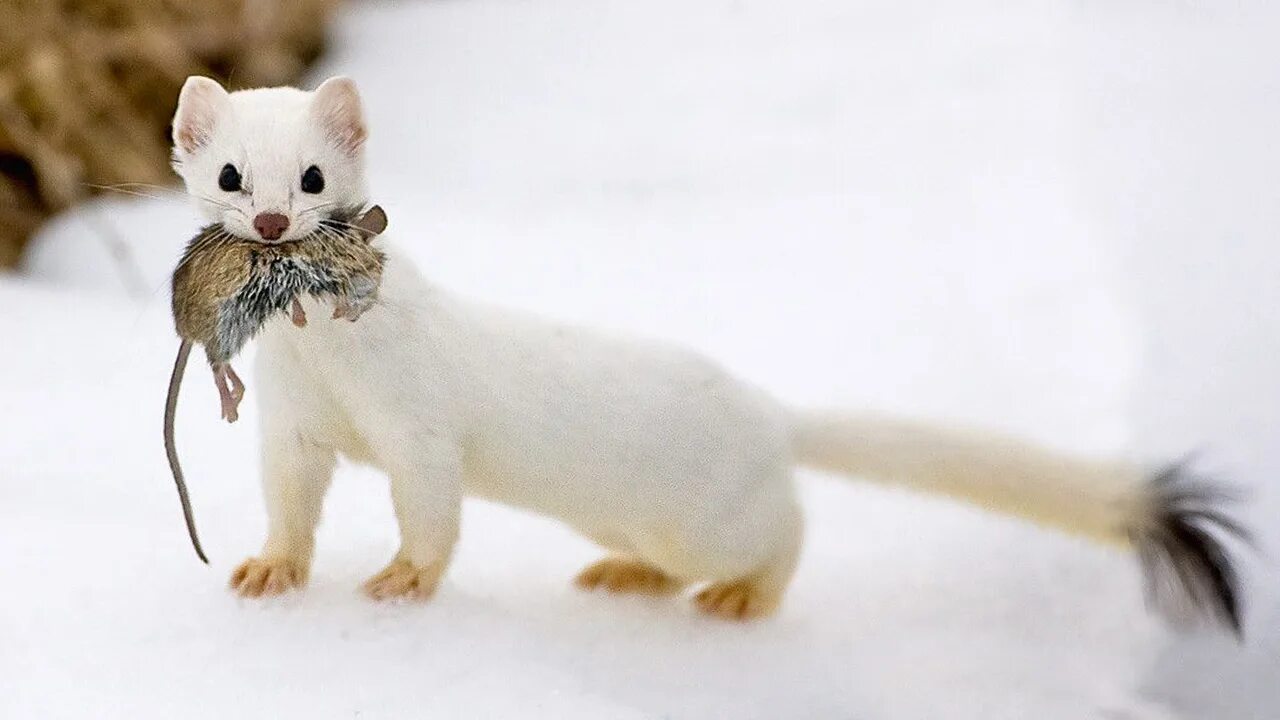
(297,315)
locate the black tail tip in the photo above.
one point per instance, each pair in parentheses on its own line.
(1191,577)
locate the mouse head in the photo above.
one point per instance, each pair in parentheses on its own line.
(270,164)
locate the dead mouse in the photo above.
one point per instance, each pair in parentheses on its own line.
(226,287)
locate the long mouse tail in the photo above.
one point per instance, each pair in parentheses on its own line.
(170,410)
(1173,519)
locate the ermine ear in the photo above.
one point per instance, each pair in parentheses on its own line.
(199,104)
(337,107)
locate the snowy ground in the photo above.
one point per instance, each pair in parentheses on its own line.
(886,204)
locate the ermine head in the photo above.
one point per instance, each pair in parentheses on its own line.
(270,164)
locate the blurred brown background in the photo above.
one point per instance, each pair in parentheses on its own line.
(87,88)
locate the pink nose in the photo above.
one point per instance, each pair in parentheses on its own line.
(270,225)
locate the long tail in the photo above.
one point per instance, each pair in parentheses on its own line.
(170,411)
(1173,519)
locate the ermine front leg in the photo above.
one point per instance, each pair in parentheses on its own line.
(427,493)
(296,474)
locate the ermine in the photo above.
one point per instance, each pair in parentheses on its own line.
(682,472)
(224,289)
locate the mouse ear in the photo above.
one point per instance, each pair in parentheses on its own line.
(373,222)
(337,107)
(200,103)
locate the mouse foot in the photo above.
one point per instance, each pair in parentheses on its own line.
(297,314)
(230,391)
(343,310)
(352,307)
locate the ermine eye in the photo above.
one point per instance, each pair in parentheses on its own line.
(312,180)
(229,178)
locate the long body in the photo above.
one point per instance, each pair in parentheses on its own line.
(612,436)
(682,472)
(650,451)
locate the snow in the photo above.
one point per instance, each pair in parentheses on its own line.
(900,205)
(1184,167)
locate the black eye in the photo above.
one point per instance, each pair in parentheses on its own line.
(312,180)
(229,178)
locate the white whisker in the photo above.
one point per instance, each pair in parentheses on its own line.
(317,208)
(127,189)
(122,191)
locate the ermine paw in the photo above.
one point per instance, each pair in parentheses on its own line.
(740,600)
(403,579)
(257,577)
(621,575)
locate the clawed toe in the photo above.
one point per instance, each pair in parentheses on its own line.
(621,575)
(261,577)
(403,579)
(741,600)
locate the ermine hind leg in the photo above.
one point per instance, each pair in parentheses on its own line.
(627,575)
(427,494)
(760,593)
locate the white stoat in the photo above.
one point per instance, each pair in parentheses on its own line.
(684,473)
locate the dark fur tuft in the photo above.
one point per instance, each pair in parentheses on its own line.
(1190,575)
